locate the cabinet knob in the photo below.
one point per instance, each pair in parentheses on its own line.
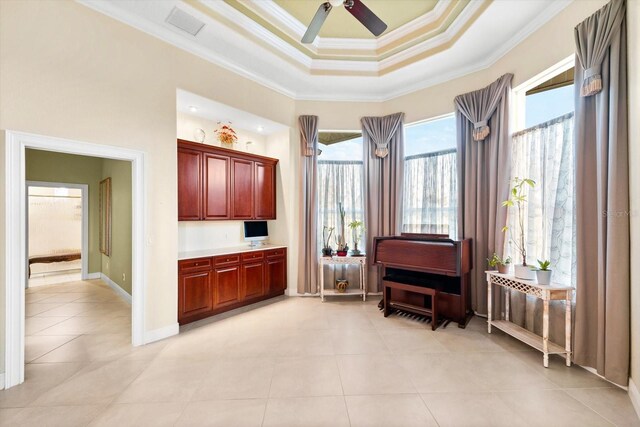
(227,259)
(197,263)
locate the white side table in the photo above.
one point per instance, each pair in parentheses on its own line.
(361,261)
(544,292)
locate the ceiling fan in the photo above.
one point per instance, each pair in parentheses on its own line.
(355,7)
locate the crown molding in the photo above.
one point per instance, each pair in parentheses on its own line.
(189,44)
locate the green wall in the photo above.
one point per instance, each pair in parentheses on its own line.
(58,167)
(68,168)
(119,263)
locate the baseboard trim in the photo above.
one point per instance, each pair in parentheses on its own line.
(634,395)
(162,333)
(113,285)
(2,381)
(93,276)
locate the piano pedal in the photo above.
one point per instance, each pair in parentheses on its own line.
(445,323)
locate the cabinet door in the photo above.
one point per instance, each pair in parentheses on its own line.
(252,280)
(265,196)
(276,275)
(227,286)
(189,184)
(194,295)
(217,187)
(242,189)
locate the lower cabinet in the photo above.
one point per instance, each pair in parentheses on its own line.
(252,280)
(195,295)
(209,286)
(226,285)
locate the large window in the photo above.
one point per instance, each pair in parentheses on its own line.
(340,181)
(430,178)
(544,152)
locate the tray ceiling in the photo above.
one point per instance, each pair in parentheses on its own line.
(427,42)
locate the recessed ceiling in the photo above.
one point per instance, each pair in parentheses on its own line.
(428,41)
(340,23)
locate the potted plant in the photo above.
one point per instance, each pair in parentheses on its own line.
(326,238)
(495,262)
(226,135)
(518,198)
(356,228)
(504,265)
(543,273)
(341,241)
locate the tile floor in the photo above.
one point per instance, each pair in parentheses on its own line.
(293,362)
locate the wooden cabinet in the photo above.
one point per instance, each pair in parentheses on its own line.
(189,184)
(276,275)
(227,286)
(265,195)
(220,184)
(217,178)
(208,286)
(242,189)
(253,280)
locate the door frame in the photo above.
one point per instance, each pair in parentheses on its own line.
(84,246)
(16,144)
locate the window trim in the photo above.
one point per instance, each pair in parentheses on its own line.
(519,93)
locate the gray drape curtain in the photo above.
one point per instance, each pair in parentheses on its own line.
(308,248)
(483,176)
(431,193)
(383,177)
(602,322)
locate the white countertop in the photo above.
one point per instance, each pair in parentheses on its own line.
(225,251)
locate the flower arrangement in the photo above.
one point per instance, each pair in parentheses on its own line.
(357,227)
(341,240)
(326,239)
(226,134)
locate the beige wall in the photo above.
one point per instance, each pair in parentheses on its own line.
(117,266)
(70,72)
(633,32)
(58,167)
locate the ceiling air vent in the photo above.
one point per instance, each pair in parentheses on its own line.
(182,20)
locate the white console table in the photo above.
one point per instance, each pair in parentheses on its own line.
(544,292)
(360,261)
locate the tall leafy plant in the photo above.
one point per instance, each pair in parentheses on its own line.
(518,198)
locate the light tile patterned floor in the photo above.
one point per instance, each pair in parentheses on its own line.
(293,362)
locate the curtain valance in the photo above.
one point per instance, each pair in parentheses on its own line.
(380,130)
(478,106)
(593,37)
(308,134)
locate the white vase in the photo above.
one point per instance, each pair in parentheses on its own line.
(544,277)
(524,272)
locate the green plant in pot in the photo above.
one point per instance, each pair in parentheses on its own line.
(357,227)
(326,238)
(543,272)
(518,199)
(502,265)
(341,241)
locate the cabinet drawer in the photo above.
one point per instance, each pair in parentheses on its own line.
(198,264)
(276,252)
(250,256)
(226,260)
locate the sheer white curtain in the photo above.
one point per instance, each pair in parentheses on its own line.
(545,154)
(340,181)
(430,193)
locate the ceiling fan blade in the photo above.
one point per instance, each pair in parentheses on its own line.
(363,14)
(316,23)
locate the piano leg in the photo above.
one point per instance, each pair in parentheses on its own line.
(387,298)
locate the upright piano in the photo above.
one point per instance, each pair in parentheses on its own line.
(432,261)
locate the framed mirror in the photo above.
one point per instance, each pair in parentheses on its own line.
(105,216)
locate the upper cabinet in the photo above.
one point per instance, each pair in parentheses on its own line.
(220,184)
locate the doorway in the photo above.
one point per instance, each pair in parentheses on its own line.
(16,267)
(57,232)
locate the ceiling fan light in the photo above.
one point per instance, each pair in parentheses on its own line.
(336,3)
